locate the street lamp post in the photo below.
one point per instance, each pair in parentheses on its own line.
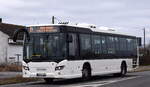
(138,52)
(144,39)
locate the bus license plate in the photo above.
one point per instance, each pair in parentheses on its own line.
(41,74)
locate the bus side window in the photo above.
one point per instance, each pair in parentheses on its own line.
(104,46)
(85,44)
(131,47)
(134,47)
(96,45)
(110,45)
(117,46)
(123,46)
(128,46)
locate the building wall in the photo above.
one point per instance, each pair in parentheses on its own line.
(13,50)
(3,47)
(7,51)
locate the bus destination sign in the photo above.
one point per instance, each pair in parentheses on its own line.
(43,29)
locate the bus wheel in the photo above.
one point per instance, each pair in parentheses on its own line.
(86,73)
(123,69)
(48,80)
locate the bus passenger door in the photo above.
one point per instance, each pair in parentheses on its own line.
(73,64)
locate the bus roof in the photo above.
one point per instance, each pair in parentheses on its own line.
(88,27)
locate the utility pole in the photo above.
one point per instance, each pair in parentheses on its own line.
(144,39)
(53,19)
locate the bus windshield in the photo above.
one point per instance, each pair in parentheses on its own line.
(45,46)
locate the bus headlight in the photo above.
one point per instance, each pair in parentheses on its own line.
(59,67)
(25,67)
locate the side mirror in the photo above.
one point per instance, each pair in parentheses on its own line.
(15,35)
(69,39)
(139,41)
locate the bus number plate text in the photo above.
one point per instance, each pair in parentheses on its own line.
(41,74)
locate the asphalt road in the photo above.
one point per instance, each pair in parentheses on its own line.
(138,79)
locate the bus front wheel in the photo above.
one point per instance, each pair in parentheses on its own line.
(86,73)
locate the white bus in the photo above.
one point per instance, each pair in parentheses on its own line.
(64,51)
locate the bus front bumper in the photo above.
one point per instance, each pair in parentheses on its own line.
(57,75)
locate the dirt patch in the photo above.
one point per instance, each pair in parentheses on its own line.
(17,79)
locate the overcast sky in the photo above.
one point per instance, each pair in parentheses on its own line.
(129,16)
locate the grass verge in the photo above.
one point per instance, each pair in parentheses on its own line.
(17,79)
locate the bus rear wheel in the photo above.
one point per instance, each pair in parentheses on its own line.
(48,80)
(86,73)
(123,69)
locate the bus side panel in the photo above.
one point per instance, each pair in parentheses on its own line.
(106,66)
(99,67)
(73,69)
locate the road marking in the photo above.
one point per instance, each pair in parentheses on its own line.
(123,79)
(100,83)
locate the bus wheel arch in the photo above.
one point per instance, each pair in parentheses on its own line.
(86,71)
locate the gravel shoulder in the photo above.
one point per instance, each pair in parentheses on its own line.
(141,68)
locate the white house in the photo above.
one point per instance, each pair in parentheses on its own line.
(9,52)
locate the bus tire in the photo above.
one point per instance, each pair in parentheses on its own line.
(86,73)
(123,70)
(48,80)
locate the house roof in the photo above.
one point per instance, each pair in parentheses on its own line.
(9,29)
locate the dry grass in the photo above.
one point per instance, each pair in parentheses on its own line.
(17,79)
(11,67)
